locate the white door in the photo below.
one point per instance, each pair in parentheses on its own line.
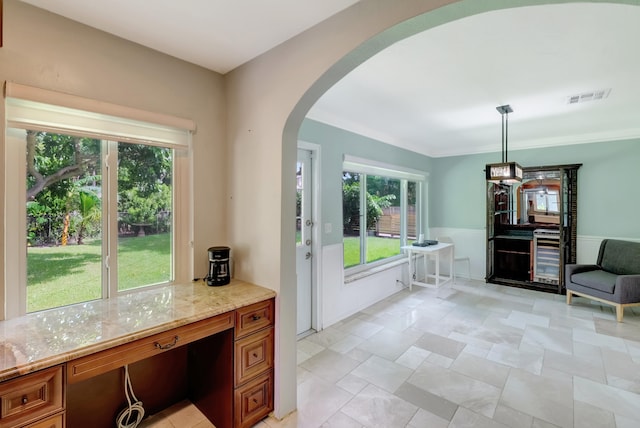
(304,225)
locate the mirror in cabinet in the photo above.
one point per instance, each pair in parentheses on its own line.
(531,228)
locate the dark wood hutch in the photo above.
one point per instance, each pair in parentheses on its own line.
(531,228)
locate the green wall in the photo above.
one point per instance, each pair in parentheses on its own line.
(335,143)
(608,194)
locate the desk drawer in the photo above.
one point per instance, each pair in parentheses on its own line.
(52,422)
(253,355)
(254,401)
(31,397)
(110,359)
(254,317)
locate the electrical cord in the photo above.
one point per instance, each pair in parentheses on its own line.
(134,407)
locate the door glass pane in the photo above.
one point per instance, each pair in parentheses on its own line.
(412,209)
(383,218)
(145,208)
(299,192)
(64,256)
(351,218)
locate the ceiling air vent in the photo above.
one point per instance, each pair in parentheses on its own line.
(589,96)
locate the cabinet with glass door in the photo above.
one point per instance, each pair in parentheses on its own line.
(531,228)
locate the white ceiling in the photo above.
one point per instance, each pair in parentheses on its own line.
(216,34)
(434,93)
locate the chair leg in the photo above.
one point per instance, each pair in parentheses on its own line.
(619,313)
(569,295)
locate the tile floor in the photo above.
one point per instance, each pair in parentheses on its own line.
(181,415)
(471,355)
(466,355)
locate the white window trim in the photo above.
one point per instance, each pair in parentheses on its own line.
(356,164)
(370,167)
(58,114)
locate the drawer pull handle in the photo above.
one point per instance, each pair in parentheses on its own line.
(255,355)
(255,401)
(255,317)
(25,399)
(168,345)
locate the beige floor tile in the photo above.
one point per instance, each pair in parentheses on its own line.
(390,344)
(547,338)
(465,418)
(460,389)
(543,397)
(586,416)
(598,339)
(340,420)
(352,383)
(361,328)
(413,357)
(618,401)
(376,408)
(318,400)
(575,365)
(467,355)
(440,345)
(424,419)
(434,404)
(330,365)
(382,373)
(511,417)
(481,369)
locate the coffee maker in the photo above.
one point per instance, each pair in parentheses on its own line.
(219,272)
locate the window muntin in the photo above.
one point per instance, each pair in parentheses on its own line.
(391,206)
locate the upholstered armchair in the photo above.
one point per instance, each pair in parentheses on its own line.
(614,279)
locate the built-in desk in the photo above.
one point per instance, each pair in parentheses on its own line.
(212,345)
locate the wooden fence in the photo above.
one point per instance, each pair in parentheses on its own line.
(389,223)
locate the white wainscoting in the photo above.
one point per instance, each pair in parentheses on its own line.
(340,300)
(588,247)
(470,243)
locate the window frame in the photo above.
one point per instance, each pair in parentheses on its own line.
(365,168)
(85,123)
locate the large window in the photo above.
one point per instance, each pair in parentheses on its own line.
(380,213)
(65,209)
(100,206)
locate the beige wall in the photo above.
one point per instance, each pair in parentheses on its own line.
(267,100)
(244,177)
(44,50)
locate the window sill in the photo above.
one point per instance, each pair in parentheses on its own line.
(348,278)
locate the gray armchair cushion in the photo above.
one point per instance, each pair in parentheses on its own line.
(596,279)
(619,257)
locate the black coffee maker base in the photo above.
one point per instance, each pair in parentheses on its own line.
(216,283)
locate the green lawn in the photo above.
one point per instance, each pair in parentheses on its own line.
(58,276)
(377,249)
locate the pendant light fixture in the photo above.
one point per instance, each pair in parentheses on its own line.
(504,172)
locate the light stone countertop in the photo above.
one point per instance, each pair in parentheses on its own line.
(44,339)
